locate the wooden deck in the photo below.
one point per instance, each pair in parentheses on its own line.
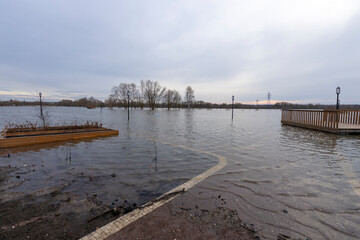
(334,121)
(38,137)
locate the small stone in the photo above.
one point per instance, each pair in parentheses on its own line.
(285,211)
(113,175)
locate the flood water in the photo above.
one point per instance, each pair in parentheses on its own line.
(303,182)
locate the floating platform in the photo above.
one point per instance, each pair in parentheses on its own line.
(333,121)
(39,136)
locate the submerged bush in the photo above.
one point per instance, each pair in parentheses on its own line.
(29,126)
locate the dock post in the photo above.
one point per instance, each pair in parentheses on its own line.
(232,108)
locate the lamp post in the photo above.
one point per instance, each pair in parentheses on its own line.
(128,103)
(232,108)
(337,99)
(41,110)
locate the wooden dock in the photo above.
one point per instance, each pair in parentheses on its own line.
(333,121)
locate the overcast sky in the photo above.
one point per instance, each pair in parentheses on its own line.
(300,51)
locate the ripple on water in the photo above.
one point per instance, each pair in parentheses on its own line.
(281,179)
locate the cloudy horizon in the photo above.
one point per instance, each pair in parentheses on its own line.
(300,51)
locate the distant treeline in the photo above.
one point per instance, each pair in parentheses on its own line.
(151,94)
(82,102)
(94,103)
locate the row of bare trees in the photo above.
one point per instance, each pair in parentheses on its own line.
(149,93)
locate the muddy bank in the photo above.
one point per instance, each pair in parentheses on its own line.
(49,213)
(201,213)
(221,223)
(184,218)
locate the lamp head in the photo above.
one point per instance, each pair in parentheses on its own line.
(338,90)
(233,98)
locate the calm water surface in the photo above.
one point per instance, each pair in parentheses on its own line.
(301,182)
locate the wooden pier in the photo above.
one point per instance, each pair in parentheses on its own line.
(333,121)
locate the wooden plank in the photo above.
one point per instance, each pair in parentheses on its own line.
(310,127)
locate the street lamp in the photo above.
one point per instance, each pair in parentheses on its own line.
(41,110)
(128,102)
(232,108)
(337,99)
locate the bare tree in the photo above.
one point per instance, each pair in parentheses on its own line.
(110,102)
(189,95)
(171,97)
(43,115)
(139,97)
(152,91)
(119,93)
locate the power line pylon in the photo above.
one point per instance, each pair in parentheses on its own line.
(269,97)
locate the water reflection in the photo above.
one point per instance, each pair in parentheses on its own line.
(68,156)
(295,137)
(189,125)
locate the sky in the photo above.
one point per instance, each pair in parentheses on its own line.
(299,51)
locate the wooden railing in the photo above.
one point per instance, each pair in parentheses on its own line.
(327,120)
(349,116)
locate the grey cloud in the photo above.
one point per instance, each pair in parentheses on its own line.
(80,51)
